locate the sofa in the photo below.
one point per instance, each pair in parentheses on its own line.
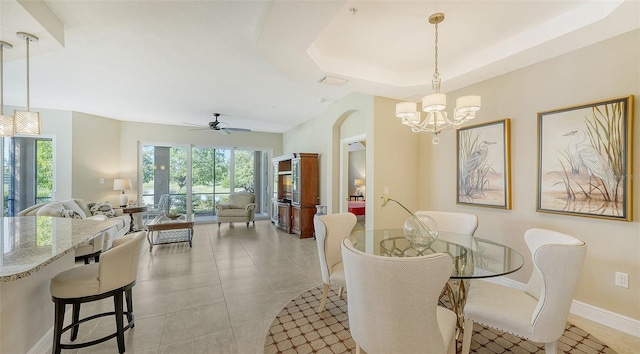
(239,208)
(81,209)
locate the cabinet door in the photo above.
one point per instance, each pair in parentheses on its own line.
(295,176)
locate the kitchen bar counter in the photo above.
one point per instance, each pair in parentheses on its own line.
(33,249)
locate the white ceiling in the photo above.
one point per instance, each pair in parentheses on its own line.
(259,62)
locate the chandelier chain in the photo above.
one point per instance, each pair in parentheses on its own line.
(436,74)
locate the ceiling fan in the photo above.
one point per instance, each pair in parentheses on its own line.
(221,126)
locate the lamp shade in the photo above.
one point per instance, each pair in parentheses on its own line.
(358,182)
(120,184)
(406,110)
(434,102)
(468,104)
(27,122)
(6,125)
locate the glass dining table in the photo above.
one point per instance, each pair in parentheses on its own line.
(473,258)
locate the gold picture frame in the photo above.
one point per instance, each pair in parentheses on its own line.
(484,165)
(585,159)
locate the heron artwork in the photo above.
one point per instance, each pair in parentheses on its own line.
(474,169)
(588,159)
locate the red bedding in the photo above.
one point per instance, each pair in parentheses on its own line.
(357,207)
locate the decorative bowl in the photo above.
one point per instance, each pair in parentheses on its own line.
(173,216)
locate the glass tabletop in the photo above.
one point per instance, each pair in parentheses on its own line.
(473,257)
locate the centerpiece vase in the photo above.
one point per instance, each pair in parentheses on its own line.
(421,231)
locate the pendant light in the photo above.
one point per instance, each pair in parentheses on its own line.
(27,122)
(6,122)
(436,119)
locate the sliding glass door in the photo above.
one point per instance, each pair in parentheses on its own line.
(27,173)
(197,178)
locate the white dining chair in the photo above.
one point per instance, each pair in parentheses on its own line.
(330,230)
(460,223)
(539,313)
(393,302)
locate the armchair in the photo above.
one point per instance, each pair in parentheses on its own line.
(157,209)
(240,208)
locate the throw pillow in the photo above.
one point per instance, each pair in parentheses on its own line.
(103,208)
(68,213)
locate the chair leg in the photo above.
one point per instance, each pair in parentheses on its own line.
(129,298)
(466,337)
(341,292)
(57,329)
(219,225)
(117,302)
(97,258)
(247,224)
(325,294)
(357,349)
(75,318)
(86,260)
(551,348)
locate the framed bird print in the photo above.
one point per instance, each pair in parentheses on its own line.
(484,167)
(584,159)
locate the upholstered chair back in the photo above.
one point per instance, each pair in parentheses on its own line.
(557,259)
(240,200)
(460,223)
(119,265)
(330,230)
(393,302)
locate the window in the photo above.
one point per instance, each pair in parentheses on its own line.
(27,173)
(213,174)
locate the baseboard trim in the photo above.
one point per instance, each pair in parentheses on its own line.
(43,345)
(604,317)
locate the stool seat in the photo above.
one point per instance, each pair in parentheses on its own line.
(91,249)
(114,277)
(76,282)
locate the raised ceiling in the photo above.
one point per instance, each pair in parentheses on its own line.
(259,62)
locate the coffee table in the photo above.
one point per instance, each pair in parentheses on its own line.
(163,230)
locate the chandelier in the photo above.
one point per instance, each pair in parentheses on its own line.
(436,119)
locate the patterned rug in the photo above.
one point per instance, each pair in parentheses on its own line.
(299,329)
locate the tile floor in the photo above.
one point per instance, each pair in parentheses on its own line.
(221,295)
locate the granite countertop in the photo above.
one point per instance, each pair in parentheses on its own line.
(30,243)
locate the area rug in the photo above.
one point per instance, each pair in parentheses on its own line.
(298,328)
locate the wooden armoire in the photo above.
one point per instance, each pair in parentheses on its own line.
(295,193)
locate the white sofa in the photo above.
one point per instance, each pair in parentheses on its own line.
(79,208)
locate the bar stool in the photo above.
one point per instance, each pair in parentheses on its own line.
(114,276)
(91,249)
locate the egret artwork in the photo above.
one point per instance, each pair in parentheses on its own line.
(483,177)
(583,160)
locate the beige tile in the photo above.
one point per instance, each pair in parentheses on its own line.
(150,305)
(194,323)
(250,337)
(194,298)
(197,280)
(235,275)
(197,267)
(145,335)
(154,286)
(235,262)
(217,342)
(246,288)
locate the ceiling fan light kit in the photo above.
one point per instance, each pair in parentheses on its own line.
(27,122)
(434,105)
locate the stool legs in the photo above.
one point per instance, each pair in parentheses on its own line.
(57,328)
(117,300)
(75,318)
(129,297)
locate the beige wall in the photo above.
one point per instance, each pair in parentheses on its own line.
(605,70)
(95,139)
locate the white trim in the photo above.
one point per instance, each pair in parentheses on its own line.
(604,317)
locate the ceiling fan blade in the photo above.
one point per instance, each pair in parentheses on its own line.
(238,129)
(223,131)
(195,125)
(202,128)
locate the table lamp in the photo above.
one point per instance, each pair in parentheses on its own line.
(122,184)
(359,182)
